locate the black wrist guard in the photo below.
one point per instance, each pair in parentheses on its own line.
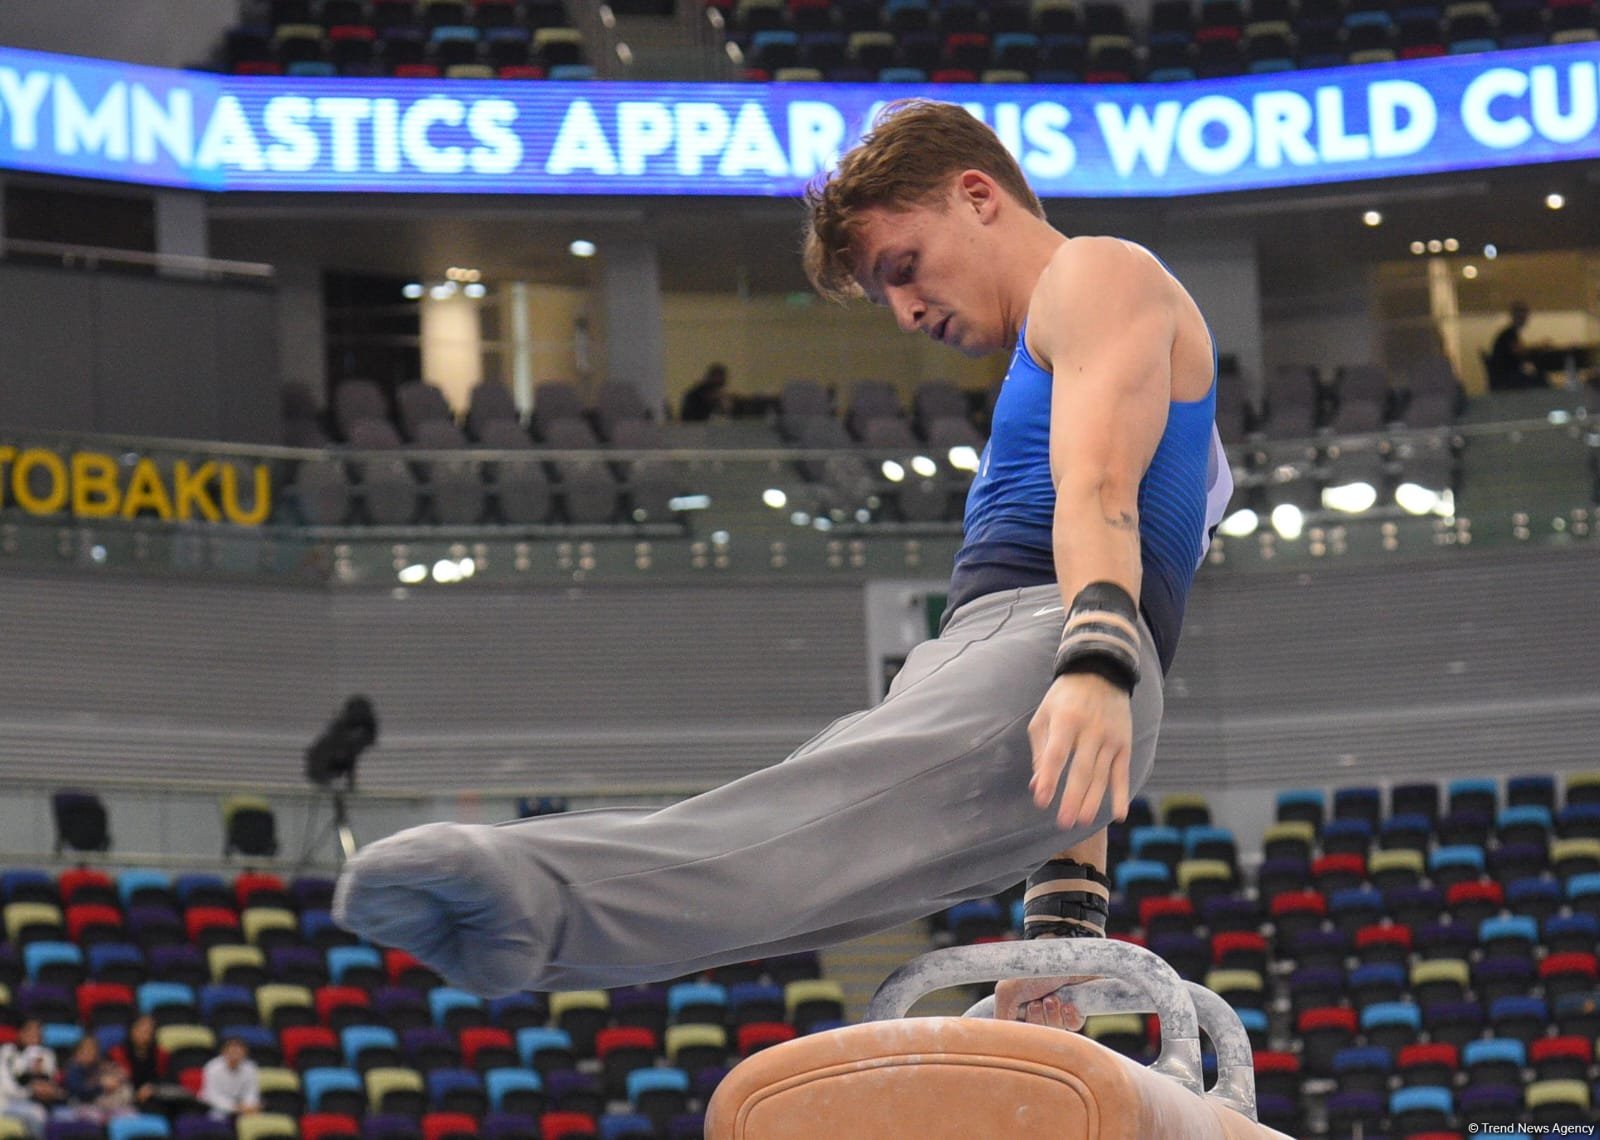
(1101,636)
(1066,899)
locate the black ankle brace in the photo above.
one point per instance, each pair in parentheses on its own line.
(1066,899)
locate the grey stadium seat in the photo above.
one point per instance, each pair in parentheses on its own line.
(421,403)
(491,401)
(652,483)
(554,401)
(588,491)
(936,400)
(355,400)
(799,401)
(1363,397)
(872,400)
(921,499)
(322,490)
(388,487)
(456,485)
(617,403)
(521,488)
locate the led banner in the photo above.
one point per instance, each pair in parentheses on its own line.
(96,119)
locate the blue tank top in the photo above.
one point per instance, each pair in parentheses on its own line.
(1010,509)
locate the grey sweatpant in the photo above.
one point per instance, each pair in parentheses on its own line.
(886,815)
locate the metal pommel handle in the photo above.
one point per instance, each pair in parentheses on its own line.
(1236,1074)
(1046,957)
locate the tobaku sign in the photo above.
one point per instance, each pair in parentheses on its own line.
(93,485)
(98,119)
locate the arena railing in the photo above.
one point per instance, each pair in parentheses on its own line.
(345,517)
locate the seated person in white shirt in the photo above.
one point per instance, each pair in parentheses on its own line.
(230,1084)
(29,1084)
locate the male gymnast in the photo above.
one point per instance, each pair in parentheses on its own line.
(1007,743)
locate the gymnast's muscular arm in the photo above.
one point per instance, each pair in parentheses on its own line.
(1103,320)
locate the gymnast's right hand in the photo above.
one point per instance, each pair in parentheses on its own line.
(450,894)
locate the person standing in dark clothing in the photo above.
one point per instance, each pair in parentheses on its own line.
(706,398)
(1508,363)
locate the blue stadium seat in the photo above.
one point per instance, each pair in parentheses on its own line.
(1156,844)
(1539,898)
(1571,933)
(1528,823)
(706,1000)
(152,996)
(976,918)
(443,1001)
(1495,1058)
(1524,1018)
(627,1126)
(59,963)
(139,1126)
(1380,983)
(1421,1109)
(1391,1024)
(1358,803)
(203,890)
(61,1037)
(457,1090)
(517,1011)
(139,886)
(506,1086)
(1363,1068)
(1536,790)
(1346,837)
(331,1089)
(1405,831)
(1255,1024)
(1476,795)
(1137,873)
(533,1041)
(1515,934)
(28,885)
(1302,803)
(1453,1022)
(223,1002)
(355,965)
(1210,843)
(355,1040)
(1448,865)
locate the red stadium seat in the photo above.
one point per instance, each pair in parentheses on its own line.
(212,926)
(522,71)
(257,67)
(1239,950)
(487,1047)
(1337,872)
(335,1005)
(298,1040)
(92,923)
(328,1126)
(566,1125)
(448,1126)
(1383,943)
(248,886)
(1166,915)
(404,970)
(112,1003)
(760,1035)
(95,885)
(416,71)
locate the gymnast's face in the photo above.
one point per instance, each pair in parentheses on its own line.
(935,267)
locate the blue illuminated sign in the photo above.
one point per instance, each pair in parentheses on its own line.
(96,119)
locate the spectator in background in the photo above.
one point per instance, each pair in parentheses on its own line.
(707,398)
(230,1085)
(28,1084)
(141,1060)
(1508,363)
(81,1077)
(97,1088)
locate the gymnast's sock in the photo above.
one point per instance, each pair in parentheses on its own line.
(1066,899)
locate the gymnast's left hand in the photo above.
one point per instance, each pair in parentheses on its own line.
(1084,726)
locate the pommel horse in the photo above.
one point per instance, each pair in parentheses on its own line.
(894,1077)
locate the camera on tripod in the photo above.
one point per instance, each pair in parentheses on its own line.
(333,755)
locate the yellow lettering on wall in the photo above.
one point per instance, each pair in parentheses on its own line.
(145,490)
(7,454)
(230,496)
(50,462)
(190,491)
(95,494)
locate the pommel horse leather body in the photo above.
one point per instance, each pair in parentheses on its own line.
(975,1078)
(952,1078)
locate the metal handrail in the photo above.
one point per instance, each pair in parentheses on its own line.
(92,257)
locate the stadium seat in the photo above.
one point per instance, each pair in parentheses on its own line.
(545,1049)
(185,1046)
(517,1091)
(395,1090)
(455,1009)
(1392,1025)
(1557,1102)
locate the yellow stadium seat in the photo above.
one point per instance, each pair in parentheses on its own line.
(569,1000)
(388,1084)
(258,920)
(21,915)
(221,959)
(266,1126)
(681,1037)
(1191,871)
(12,1129)
(276,1001)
